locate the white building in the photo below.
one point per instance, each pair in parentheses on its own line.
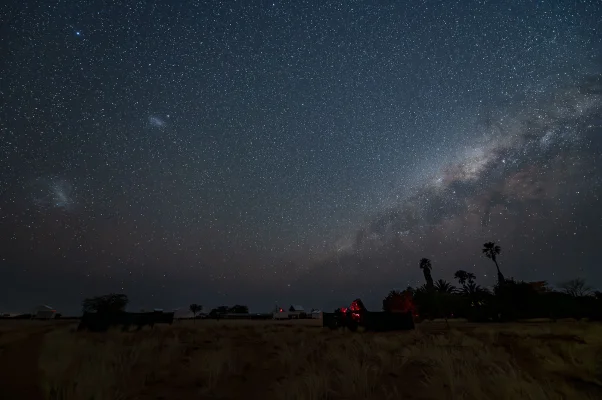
(43,312)
(279,313)
(294,312)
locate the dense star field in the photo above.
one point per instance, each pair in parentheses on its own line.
(301,152)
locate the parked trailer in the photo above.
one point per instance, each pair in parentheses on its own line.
(281,315)
(289,315)
(101,322)
(358,316)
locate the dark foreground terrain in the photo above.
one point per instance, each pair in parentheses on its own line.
(280,360)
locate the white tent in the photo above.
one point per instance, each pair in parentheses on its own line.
(43,312)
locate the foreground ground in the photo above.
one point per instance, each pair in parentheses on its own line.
(277,360)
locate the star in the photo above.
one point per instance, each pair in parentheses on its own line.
(242,149)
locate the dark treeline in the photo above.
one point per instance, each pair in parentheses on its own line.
(509,300)
(236,309)
(116,303)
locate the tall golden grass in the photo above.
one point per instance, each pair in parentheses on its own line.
(276,361)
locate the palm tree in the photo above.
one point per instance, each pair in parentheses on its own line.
(426,267)
(195,308)
(443,286)
(476,295)
(491,250)
(472,289)
(463,276)
(422,289)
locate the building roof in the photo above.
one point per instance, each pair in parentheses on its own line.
(298,308)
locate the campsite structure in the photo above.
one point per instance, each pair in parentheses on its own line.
(356,315)
(294,312)
(43,312)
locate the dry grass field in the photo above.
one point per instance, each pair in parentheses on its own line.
(273,360)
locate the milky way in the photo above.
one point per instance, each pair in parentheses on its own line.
(521,185)
(511,164)
(294,151)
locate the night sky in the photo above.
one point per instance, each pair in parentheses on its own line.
(304,152)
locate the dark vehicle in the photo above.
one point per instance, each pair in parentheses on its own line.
(161,317)
(101,322)
(356,315)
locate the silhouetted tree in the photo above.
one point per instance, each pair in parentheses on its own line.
(397,301)
(195,309)
(222,309)
(491,251)
(219,311)
(471,289)
(462,277)
(426,267)
(110,303)
(387,301)
(444,286)
(424,298)
(421,289)
(576,287)
(238,309)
